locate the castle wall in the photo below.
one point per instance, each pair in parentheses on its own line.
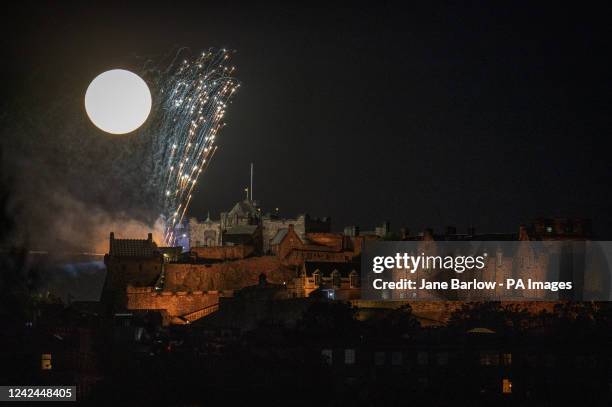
(298,257)
(270,228)
(223,252)
(333,240)
(174,303)
(124,271)
(207,233)
(231,275)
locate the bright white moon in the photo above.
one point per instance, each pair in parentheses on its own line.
(118,101)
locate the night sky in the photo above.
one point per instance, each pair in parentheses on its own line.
(486,115)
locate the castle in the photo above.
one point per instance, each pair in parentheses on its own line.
(301,256)
(244,224)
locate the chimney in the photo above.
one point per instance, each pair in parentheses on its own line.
(111,243)
(150,237)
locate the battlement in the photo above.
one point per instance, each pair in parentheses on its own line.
(225,276)
(174,303)
(132,290)
(223,252)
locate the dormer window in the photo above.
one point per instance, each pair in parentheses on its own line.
(317,277)
(336,281)
(499,257)
(354,279)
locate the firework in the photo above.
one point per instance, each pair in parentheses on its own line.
(193,95)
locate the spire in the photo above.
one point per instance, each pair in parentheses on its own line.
(208,217)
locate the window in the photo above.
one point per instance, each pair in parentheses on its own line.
(507,359)
(354,279)
(396,358)
(506,386)
(45,361)
(442,358)
(327,355)
(349,356)
(422,358)
(488,358)
(549,360)
(379,358)
(336,281)
(317,277)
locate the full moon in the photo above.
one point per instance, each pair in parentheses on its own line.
(118,101)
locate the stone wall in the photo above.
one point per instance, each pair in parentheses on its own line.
(270,228)
(123,271)
(297,257)
(223,252)
(335,241)
(206,233)
(174,303)
(230,275)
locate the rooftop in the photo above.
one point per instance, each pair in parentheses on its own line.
(132,247)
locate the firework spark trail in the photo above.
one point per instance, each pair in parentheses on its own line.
(193,98)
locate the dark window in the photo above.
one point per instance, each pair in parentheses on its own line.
(317,277)
(336,281)
(354,279)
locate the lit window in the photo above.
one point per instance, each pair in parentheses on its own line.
(46,361)
(349,356)
(506,386)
